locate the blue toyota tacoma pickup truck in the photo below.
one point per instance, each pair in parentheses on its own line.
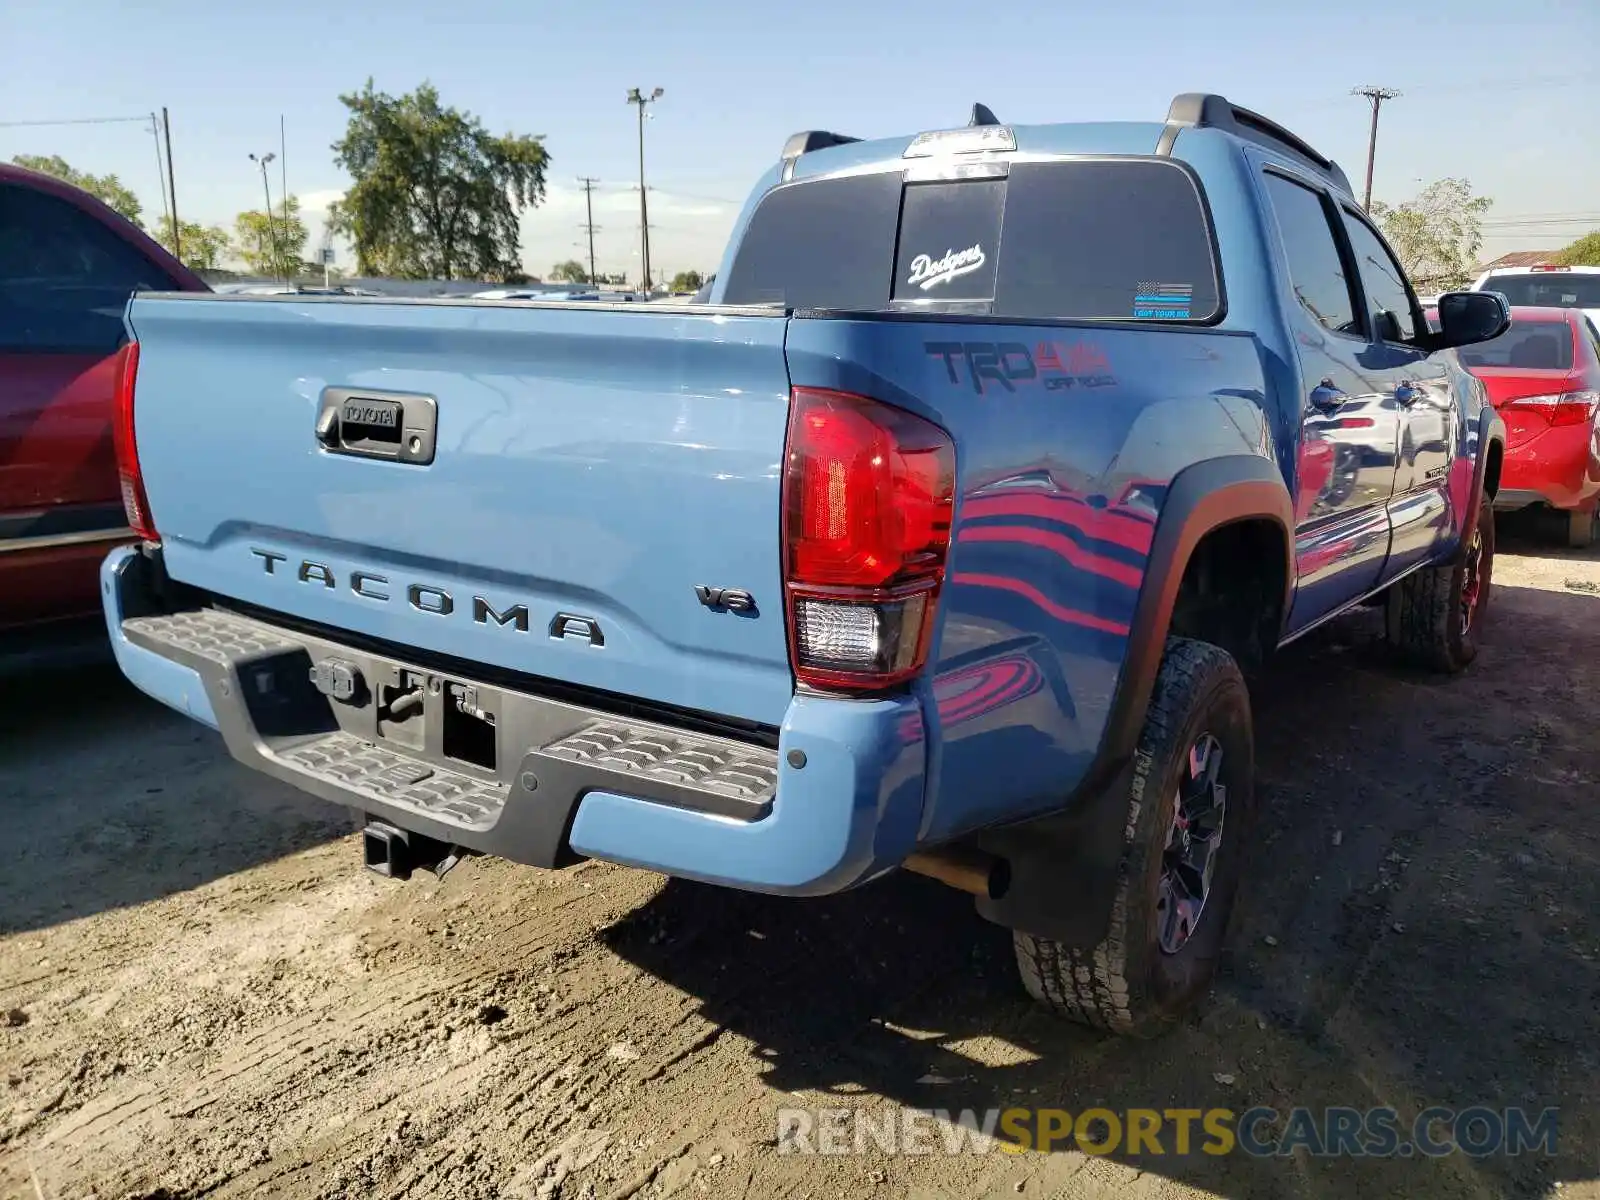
(935,540)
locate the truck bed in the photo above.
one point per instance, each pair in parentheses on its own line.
(596,476)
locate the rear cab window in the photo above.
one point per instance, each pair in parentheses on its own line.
(1116,239)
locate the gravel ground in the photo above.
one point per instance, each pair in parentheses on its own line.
(201,994)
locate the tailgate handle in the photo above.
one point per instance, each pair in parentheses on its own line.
(393,426)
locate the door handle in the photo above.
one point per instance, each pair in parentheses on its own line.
(1406,394)
(1327,398)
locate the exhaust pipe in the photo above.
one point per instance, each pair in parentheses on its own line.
(970,871)
(394,853)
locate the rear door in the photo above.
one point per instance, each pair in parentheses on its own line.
(64,281)
(1349,426)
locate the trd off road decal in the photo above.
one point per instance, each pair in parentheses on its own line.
(928,272)
(1053,365)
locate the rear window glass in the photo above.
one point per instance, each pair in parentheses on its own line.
(822,244)
(949,235)
(1531,345)
(1114,240)
(1548,289)
(64,277)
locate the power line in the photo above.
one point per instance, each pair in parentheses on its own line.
(1426,90)
(1569,221)
(77,121)
(1565,212)
(674,192)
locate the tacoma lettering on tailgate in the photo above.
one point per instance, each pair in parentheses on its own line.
(427,598)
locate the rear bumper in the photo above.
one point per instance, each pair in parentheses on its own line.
(837,802)
(1559,467)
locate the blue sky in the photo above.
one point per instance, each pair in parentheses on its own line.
(1506,95)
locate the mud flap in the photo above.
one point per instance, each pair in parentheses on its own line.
(1064,867)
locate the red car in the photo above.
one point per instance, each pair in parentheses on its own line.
(68,264)
(1543,375)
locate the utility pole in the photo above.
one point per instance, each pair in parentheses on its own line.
(283,170)
(588,202)
(636,96)
(161,174)
(172,184)
(266,190)
(1375,96)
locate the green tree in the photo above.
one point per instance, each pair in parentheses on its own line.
(1585,252)
(203,246)
(571,271)
(435,194)
(1438,234)
(106,188)
(275,248)
(688,281)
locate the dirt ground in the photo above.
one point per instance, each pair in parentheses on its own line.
(202,994)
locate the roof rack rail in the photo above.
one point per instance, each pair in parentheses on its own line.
(1206,110)
(806,142)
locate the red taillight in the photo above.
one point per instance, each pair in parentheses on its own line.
(1559,408)
(1574,408)
(134,502)
(868,492)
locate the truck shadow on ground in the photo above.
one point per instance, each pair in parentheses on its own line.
(1416,932)
(111,800)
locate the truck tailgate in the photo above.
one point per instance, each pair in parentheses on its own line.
(594,472)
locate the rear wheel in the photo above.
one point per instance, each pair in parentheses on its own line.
(1434,614)
(1580,527)
(1189,808)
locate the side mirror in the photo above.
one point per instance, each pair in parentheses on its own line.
(1467,318)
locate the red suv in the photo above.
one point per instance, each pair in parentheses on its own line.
(1543,375)
(67,267)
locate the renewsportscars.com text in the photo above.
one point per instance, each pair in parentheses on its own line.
(1478,1132)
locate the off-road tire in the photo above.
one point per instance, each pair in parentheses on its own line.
(1580,527)
(1425,619)
(1127,984)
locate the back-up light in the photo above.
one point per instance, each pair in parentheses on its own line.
(1560,408)
(134,501)
(868,492)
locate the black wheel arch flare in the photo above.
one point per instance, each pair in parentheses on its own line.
(1063,866)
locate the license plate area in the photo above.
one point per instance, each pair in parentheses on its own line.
(393,426)
(433,715)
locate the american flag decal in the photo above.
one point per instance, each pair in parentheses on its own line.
(1168,301)
(1174,290)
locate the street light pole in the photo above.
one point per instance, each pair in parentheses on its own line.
(266,190)
(635,96)
(1375,96)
